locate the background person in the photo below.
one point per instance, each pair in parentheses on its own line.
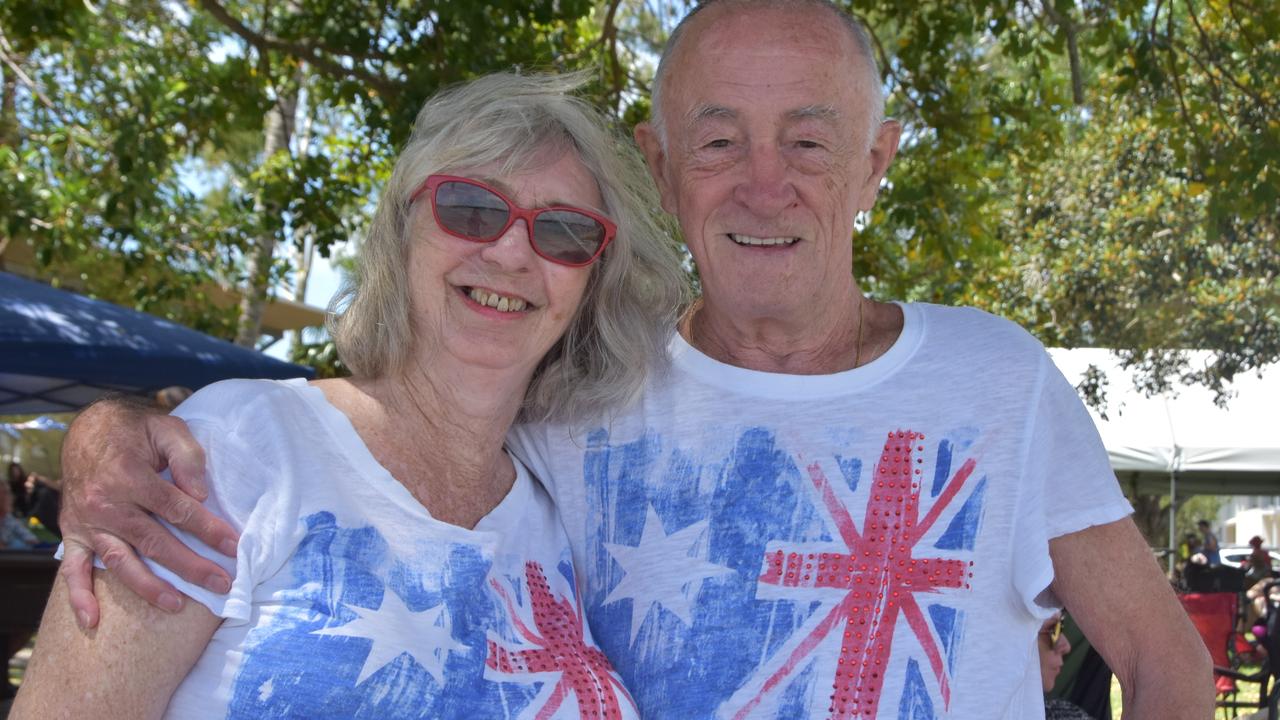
(14,534)
(44,500)
(1258,564)
(396,560)
(1209,543)
(17,478)
(1052,646)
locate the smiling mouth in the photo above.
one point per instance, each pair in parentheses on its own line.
(754,241)
(501,303)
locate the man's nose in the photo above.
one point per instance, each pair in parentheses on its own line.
(766,190)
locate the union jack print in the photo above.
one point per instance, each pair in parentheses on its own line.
(559,652)
(880,573)
(735,582)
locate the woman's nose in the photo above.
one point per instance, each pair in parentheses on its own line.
(1064,645)
(514,248)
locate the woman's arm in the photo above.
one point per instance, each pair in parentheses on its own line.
(128,667)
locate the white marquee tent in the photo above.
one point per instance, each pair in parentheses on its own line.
(1180,442)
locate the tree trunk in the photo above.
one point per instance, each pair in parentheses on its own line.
(8,107)
(303,245)
(303,254)
(253,297)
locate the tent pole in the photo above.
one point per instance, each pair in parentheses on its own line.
(1173,504)
(1174,465)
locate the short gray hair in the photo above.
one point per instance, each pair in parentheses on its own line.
(635,291)
(861,40)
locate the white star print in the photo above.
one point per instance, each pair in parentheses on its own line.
(396,630)
(680,558)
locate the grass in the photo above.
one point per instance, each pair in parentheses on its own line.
(1249,692)
(18,663)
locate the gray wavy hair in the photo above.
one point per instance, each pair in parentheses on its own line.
(635,291)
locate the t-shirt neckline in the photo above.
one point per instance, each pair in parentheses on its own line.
(352,447)
(688,359)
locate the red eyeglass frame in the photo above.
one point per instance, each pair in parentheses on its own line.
(514,212)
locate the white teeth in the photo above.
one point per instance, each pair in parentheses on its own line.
(496,301)
(769,241)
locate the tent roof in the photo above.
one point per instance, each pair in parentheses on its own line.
(1220,451)
(61,351)
(279,314)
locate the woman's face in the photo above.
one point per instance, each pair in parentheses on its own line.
(456,283)
(1051,652)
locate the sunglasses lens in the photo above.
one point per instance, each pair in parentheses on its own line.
(470,210)
(567,236)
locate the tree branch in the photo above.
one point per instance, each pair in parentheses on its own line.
(886,66)
(1212,61)
(610,35)
(20,74)
(1073,49)
(381,85)
(1177,89)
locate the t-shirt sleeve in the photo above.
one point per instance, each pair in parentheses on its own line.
(1067,484)
(244,489)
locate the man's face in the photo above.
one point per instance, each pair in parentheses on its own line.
(767,162)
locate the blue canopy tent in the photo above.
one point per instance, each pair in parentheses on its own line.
(60,351)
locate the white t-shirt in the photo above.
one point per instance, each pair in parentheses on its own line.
(350,600)
(870,543)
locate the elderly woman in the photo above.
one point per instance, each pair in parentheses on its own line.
(395,559)
(1053,647)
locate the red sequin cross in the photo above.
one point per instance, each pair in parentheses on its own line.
(560,648)
(880,573)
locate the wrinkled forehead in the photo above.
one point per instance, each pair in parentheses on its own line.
(794,64)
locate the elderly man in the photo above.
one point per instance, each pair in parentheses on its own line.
(831,506)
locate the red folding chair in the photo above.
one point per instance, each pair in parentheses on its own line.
(1214,616)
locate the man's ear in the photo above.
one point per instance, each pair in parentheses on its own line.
(655,156)
(884,147)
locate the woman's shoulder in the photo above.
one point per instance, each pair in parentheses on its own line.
(264,418)
(228,402)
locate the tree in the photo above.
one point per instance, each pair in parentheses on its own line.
(151,148)
(1103,172)
(102,112)
(1153,229)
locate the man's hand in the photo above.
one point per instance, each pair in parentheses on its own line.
(110,462)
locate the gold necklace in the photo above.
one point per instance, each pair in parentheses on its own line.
(685,326)
(857,343)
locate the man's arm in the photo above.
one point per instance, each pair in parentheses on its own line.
(127,668)
(111,458)
(1109,581)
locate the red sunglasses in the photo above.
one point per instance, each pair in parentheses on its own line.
(472,210)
